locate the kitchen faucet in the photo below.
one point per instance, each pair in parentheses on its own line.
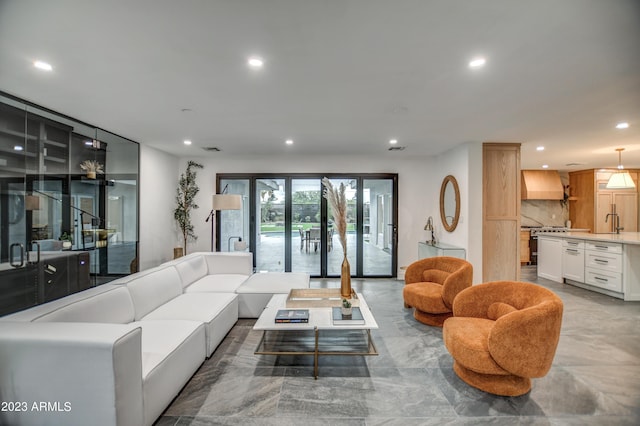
(616,221)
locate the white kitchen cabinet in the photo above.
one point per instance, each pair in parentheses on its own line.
(603,265)
(573,260)
(611,262)
(550,258)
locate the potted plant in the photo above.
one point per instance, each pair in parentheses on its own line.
(67,240)
(91,168)
(346,308)
(185,202)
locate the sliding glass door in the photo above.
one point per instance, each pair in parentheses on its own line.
(378,228)
(288,225)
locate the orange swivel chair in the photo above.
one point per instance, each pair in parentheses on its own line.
(431,285)
(502,334)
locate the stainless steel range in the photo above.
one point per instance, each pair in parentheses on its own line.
(533,239)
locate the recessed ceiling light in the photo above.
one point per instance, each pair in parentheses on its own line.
(18,148)
(477,62)
(289,142)
(255,62)
(545,166)
(540,148)
(43,65)
(393,141)
(623,125)
(187,142)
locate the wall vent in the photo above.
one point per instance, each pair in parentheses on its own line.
(211,149)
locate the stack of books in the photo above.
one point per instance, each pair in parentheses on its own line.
(292,316)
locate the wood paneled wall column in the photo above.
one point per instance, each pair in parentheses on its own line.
(500,211)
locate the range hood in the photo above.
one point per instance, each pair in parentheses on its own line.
(541,185)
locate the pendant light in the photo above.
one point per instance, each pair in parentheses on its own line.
(620,179)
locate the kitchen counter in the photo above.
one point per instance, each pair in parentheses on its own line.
(605,263)
(623,237)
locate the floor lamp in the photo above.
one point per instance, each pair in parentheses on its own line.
(223,202)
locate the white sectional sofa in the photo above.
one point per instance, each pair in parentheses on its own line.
(119,353)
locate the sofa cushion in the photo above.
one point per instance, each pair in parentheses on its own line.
(426,297)
(435,276)
(274,282)
(172,351)
(152,290)
(229,263)
(218,311)
(467,340)
(113,306)
(191,269)
(218,283)
(499,309)
(36,312)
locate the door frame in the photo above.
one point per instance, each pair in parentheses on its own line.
(288,177)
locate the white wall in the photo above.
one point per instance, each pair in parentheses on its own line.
(463,162)
(414,181)
(419,181)
(158,231)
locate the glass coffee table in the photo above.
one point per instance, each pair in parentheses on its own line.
(318,337)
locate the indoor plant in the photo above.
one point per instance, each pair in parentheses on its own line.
(67,240)
(346,307)
(91,168)
(338,201)
(185,202)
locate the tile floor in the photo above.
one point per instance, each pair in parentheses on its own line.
(595,378)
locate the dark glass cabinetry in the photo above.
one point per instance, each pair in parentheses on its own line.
(50,201)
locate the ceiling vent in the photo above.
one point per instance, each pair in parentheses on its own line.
(574,164)
(541,185)
(396,148)
(211,149)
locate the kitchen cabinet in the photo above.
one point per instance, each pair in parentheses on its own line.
(550,258)
(591,202)
(611,262)
(500,211)
(525,250)
(573,260)
(603,265)
(54,275)
(624,204)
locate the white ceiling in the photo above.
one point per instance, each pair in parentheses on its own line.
(340,76)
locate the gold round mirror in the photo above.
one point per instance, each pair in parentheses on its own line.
(449,203)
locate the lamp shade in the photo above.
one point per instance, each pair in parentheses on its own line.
(227,202)
(620,180)
(32,202)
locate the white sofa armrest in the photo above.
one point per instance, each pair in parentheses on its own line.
(71,373)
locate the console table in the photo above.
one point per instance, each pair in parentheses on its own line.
(440,249)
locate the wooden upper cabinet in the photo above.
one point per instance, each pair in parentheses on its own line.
(591,202)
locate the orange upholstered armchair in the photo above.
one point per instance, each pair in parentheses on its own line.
(431,285)
(502,334)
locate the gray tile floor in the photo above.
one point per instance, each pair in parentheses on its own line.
(595,378)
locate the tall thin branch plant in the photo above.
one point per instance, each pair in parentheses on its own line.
(185,202)
(338,201)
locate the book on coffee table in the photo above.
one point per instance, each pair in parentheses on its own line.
(355,318)
(292,316)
